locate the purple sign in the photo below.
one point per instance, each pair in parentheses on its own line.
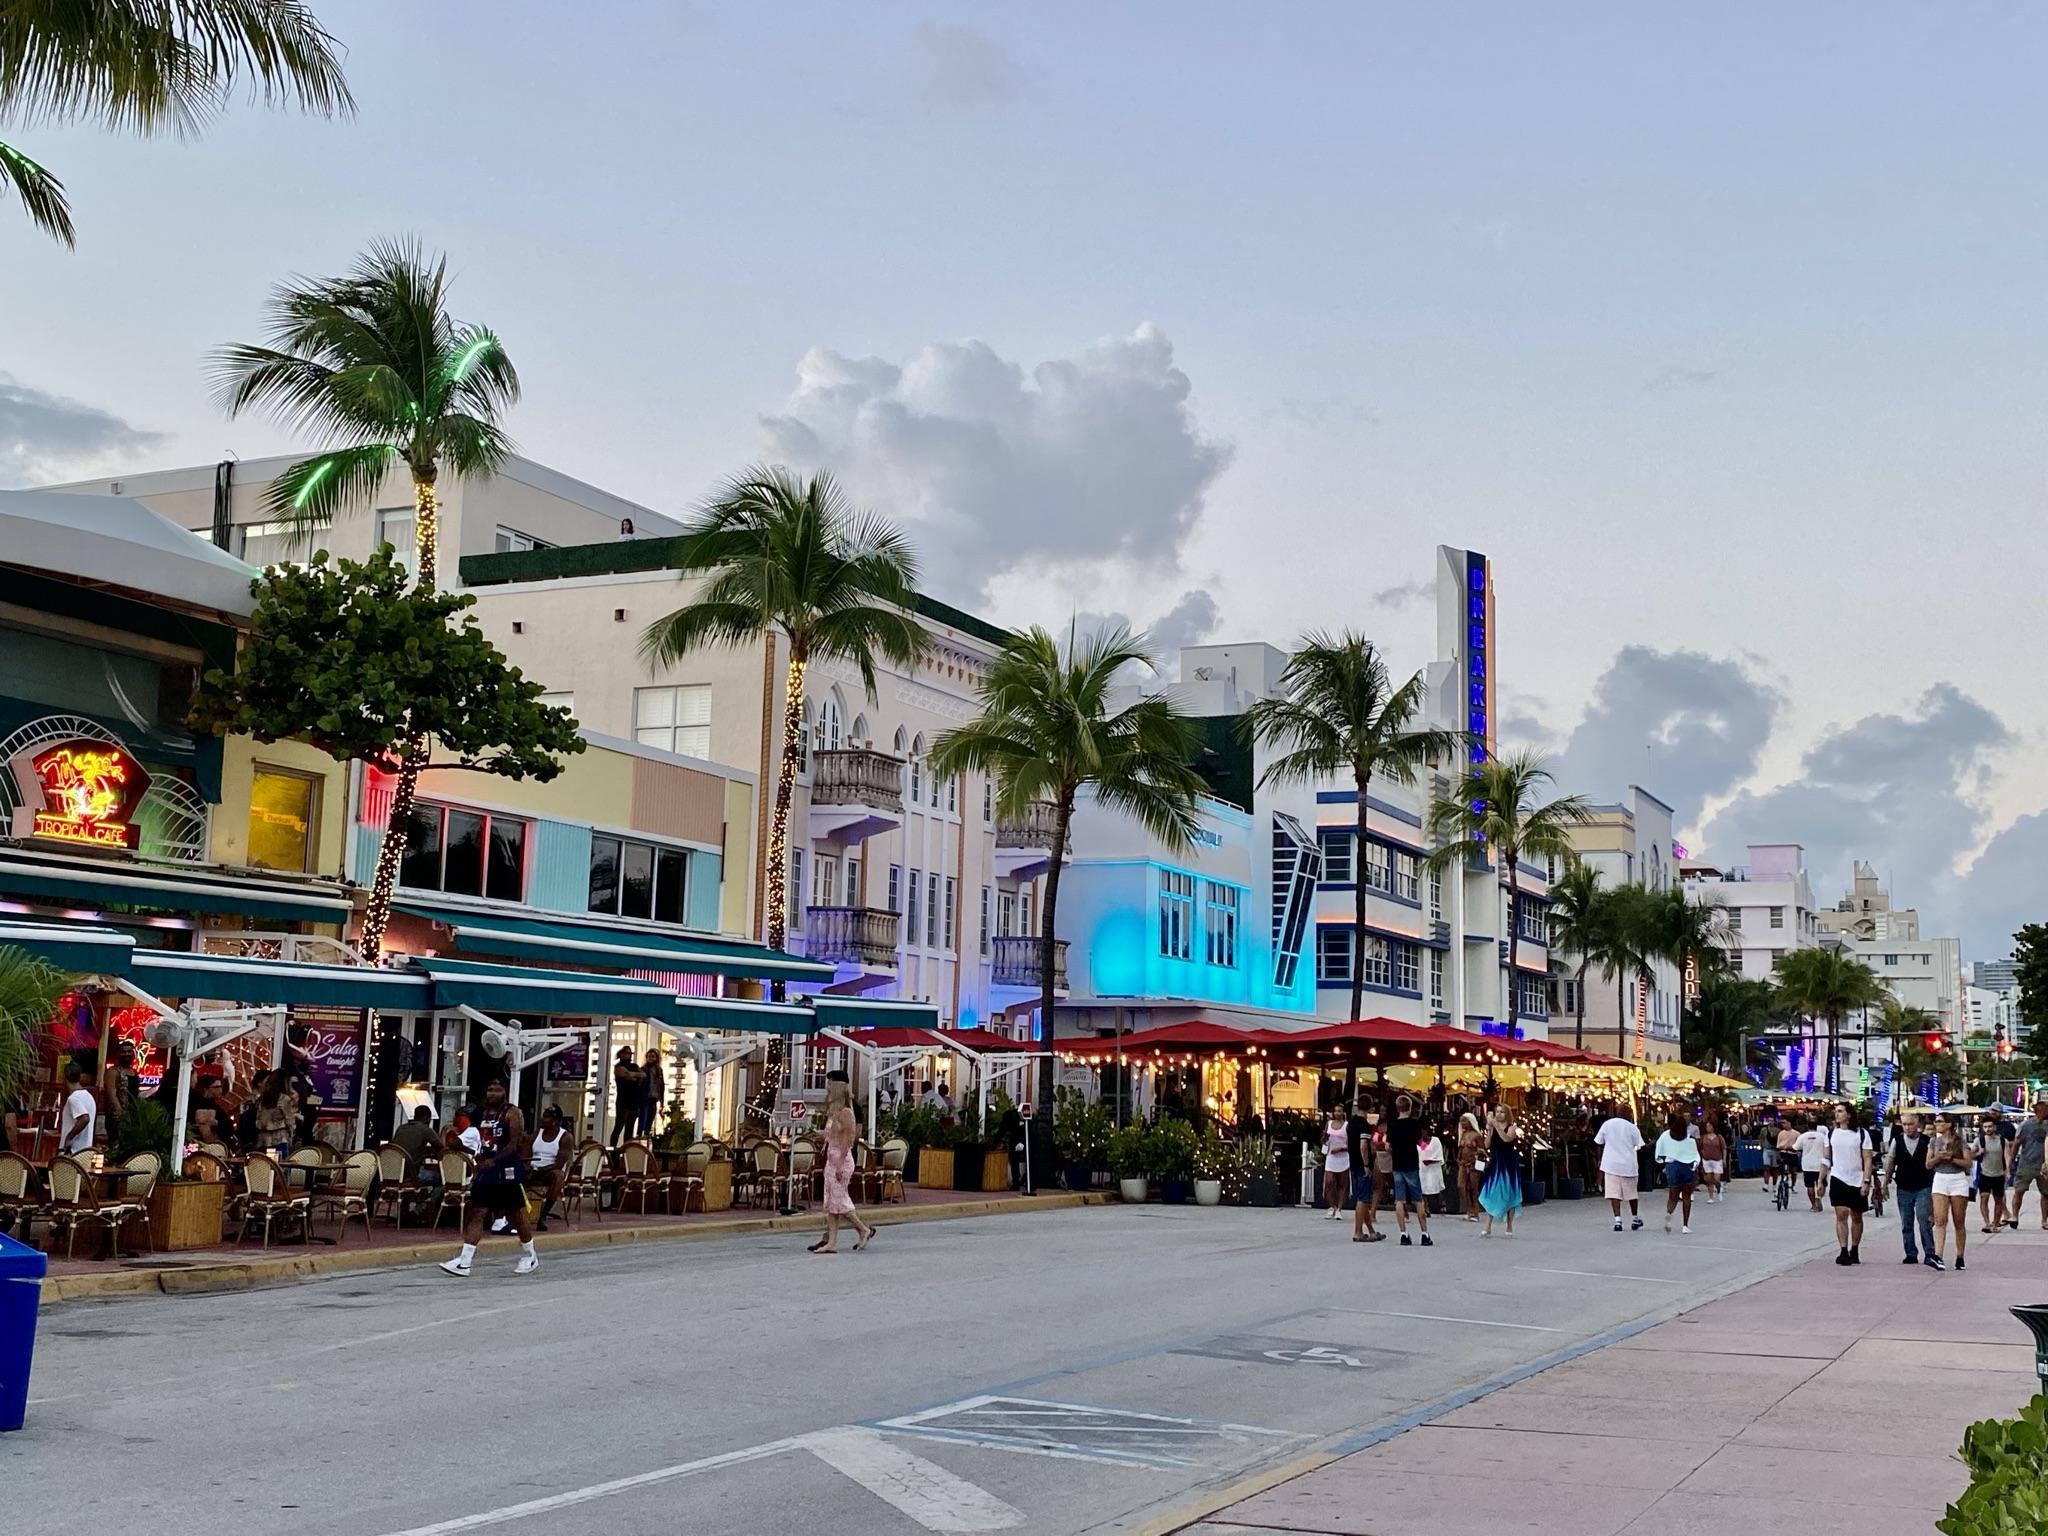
(326,1044)
(571,1064)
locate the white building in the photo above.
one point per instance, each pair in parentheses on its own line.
(1865,911)
(1767,905)
(1625,842)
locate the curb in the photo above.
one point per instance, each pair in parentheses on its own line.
(247,1274)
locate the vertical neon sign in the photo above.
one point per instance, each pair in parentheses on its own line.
(1479,655)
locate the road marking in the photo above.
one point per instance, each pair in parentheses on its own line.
(929,1494)
(1080,1431)
(1600,1274)
(1431,1317)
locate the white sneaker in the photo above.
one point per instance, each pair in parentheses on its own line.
(501,1225)
(455,1266)
(1617,1223)
(1687,1231)
(1667,1223)
(529,1262)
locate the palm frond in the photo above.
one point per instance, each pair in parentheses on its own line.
(1338,714)
(673,636)
(42,195)
(313,492)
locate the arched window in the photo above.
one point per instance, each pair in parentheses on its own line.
(829,736)
(859,735)
(916,767)
(902,744)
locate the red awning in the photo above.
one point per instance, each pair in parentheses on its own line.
(1194,1036)
(971,1042)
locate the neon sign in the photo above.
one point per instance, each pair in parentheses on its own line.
(89,792)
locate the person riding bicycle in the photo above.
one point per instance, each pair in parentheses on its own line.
(1788,1152)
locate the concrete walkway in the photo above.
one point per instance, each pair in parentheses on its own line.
(1823,1400)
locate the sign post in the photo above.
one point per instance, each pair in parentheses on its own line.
(793,1110)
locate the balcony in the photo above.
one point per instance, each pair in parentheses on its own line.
(1016,964)
(861,936)
(1024,848)
(855,794)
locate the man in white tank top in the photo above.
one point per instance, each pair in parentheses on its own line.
(549,1165)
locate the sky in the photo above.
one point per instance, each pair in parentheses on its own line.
(1720,330)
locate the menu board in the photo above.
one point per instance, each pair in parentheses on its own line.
(571,1064)
(326,1044)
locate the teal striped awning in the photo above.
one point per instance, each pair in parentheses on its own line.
(238,979)
(741,1015)
(611,946)
(503,990)
(72,947)
(849,1012)
(97,884)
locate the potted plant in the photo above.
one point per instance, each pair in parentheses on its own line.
(1174,1144)
(1211,1159)
(970,1152)
(1130,1161)
(1080,1135)
(1255,1167)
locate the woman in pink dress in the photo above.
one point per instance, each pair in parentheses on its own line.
(840,1134)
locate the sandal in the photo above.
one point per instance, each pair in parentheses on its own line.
(817,1247)
(861,1243)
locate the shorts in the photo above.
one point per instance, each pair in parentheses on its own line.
(1953,1185)
(1680,1175)
(498,1195)
(1711,1165)
(1994,1186)
(1812,1177)
(2024,1179)
(1408,1186)
(1620,1186)
(1846,1197)
(1361,1187)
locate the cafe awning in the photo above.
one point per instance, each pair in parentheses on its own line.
(96,883)
(836,1011)
(238,979)
(506,990)
(70,947)
(610,946)
(742,1015)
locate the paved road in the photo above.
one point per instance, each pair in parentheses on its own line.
(1069,1371)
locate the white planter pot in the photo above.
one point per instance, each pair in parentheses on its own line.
(1208,1191)
(1131,1191)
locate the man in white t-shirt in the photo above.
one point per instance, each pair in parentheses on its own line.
(81,1115)
(1848,1163)
(1619,1141)
(1812,1147)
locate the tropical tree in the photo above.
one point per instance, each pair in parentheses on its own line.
(1580,915)
(373,363)
(1497,803)
(1049,729)
(1337,715)
(150,66)
(1723,1022)
(1908,1028)
(1827,985)
(30,989)
(776,552)
(2030,949)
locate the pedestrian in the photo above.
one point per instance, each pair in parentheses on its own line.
(627,1081)
(1788,1154)
(548,1170)
(1679,1152)
(1358,1132)
(1991,1169)
(1713,1159)
(1336,1162)
(1501,1195)
(1952,1159)
(1847,1155)
(653,1091)
(1813,1159)
(277,1112)
(1906,1170)
(1432,1151)
(840,1132)
(1471,1157)
(2030,1163)
(80,1119)
(1619,1142)
(1404,1154)
(498,1179)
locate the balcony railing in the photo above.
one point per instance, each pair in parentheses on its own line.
(851,935)
(277,946)
(856,776)
(1016,962)
(1034,831)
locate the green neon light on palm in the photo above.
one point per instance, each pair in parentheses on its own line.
(468,356)
(320,472)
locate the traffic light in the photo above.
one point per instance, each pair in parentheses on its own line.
(1934,1042)
(2002,1046)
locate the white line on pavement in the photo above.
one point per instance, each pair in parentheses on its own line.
(1431,1317)
(929,1494)
(1600,1274)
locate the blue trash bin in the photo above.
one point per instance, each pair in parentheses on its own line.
(21,1292)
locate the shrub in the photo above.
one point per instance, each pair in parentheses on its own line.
(1213,1157)
(1080,1130)
(1130,1152)
(144,1127)
(1172,1146)
(2008,1461)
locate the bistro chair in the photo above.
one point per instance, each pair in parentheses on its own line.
(895,1154)
(803,1159)
(136,1190)
(457,1168)
(351,1197)
(395,1183)
(217,1149)
(305,1157)
(638,1176)
(696,1158)
(584,1182)
(18,1196)
(74,1203)
(267,1199)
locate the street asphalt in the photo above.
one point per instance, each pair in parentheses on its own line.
(1063,1372)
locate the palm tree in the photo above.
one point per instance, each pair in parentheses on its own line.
(150,66)
(1723,1022)
(30,990)
(1337,715)
(1580,913)
(778,552)
(1626,947)
(1909,1028)
(1495,802)
(373,363)
(1047,730)
(1826,984)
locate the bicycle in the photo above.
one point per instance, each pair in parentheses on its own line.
(1783,1197)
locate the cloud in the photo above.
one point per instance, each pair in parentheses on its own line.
(1091,458)
(1336,416)
(2002,890)
(960,70)
(1901,791)
(1703,720)
(1408,592)
(1188,622)
(44,436)
(1675,377)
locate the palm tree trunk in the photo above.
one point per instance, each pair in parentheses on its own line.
(426,530)
(778,859)
(1510,863)
(391,851)
(1358,868)
(1579,1028)
(1048,961)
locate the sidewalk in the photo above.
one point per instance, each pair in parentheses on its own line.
(230,1268)
(1821,1401)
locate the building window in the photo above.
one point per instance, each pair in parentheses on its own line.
(1006,915)
(1405,881)
(931,912)
(852,881)
(1436,896)
(1777,917)
(1891,959)
(564,700)
(277,543)
(1535,924)
(395,527)
(1176,915)
(1333,954)
(511,541)
(629,879)
(281,820)
(952,911)
(1405,968)
(1337,847)
(1378,873)
(1735,919)
(1532,997)
(1436,978)
(1220,908)
(985,893)
(1378,967)
(953,794)
(824,881)
(793,898)
(895,887)
(674,719)
(988,800)
(915,906)
(916,781)
(465,853)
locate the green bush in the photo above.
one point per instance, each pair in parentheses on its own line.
(922,1127)
(1130,1152)
(1080,1130)
(1172,1146)
(145,1127)
(1213,1158)
(2008,1492)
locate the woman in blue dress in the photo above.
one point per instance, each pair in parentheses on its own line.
(1501,1195)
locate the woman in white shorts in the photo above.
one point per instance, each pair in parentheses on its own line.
(1949,1156)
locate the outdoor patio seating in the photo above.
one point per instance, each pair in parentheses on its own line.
(637,1177)
(895,1155)
(267,1199)
(457,1168)
(584,1182)
(74,1203)
(696,1158)
(20,1192)
(136,1191)
(351,1197)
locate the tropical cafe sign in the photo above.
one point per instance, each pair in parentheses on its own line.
(81,792)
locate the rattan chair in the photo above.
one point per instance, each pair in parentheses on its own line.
(351,1197)
(895,1155)
(638,1176)
(806,1165)
(74,1203)
(457,1168)
(267,1199)
(20,1193)
(696,1158)
(395,1184)
(136,1191)
(584,1183)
